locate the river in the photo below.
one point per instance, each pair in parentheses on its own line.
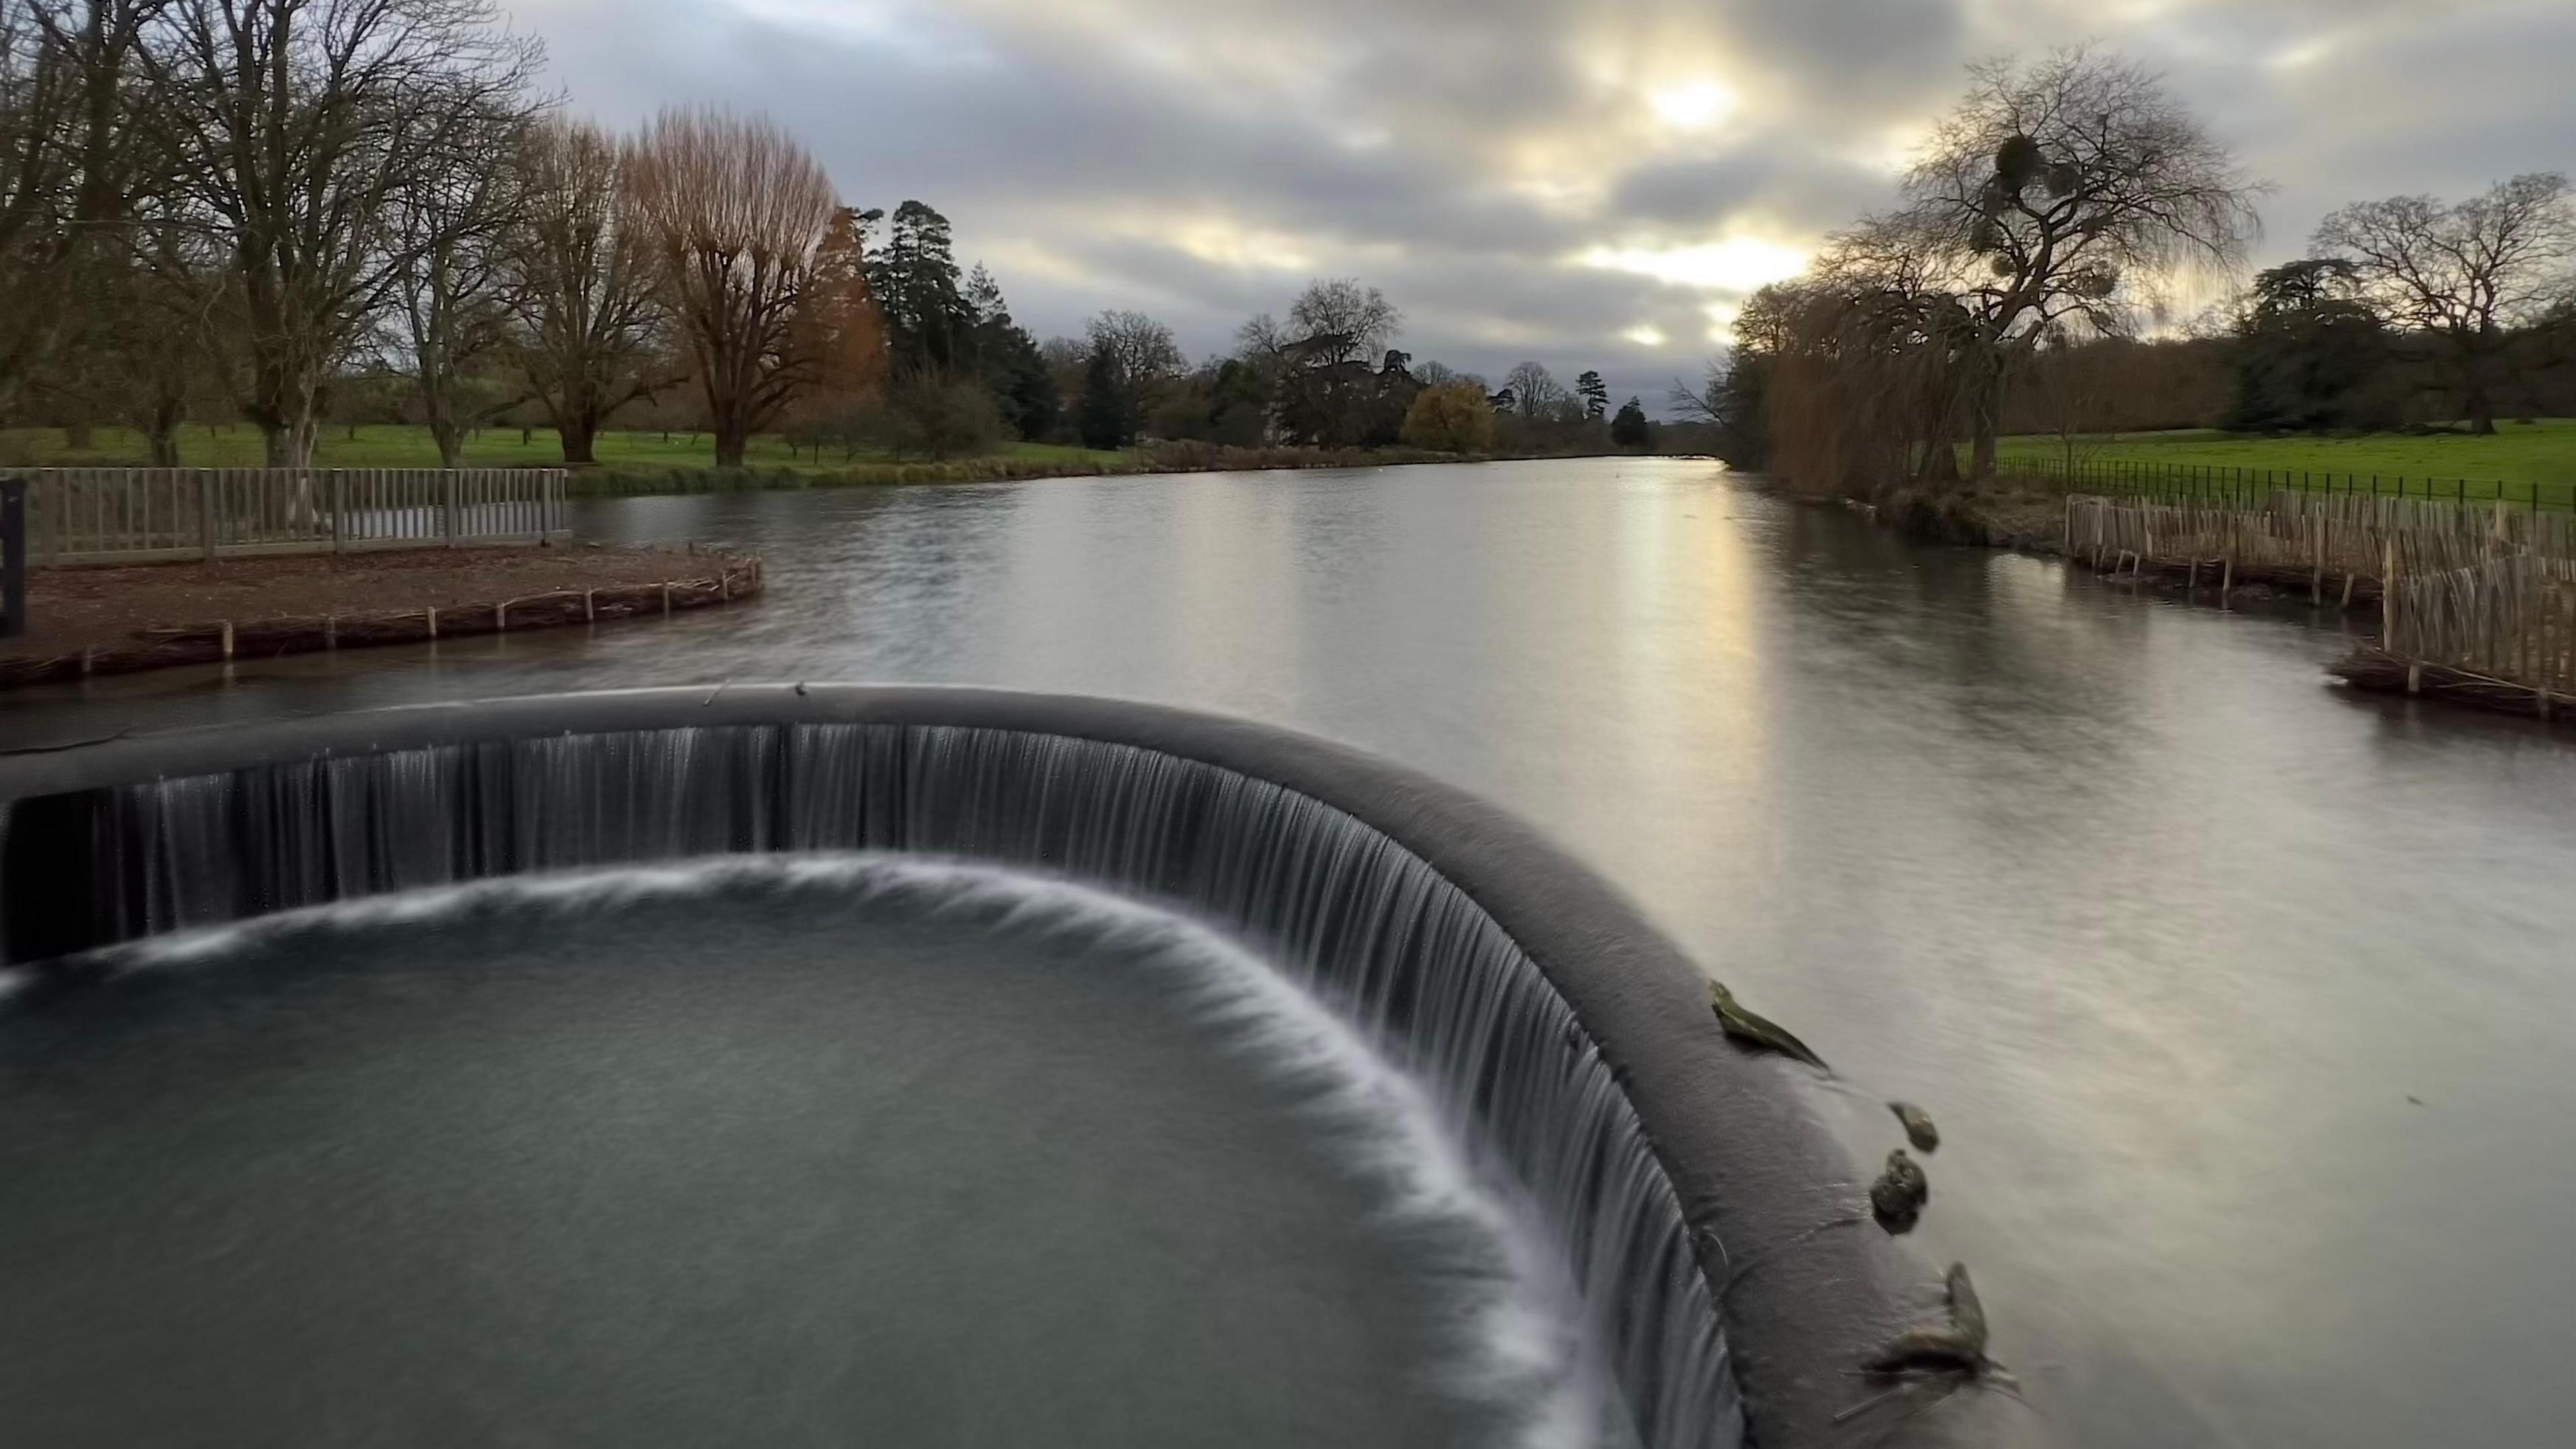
(2246,1005)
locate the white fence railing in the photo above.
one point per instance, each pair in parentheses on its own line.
(134,515)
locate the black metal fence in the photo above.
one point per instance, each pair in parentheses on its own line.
(2206,484)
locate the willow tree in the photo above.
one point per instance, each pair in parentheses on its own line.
(2057,199)
(736,210)
(583,282)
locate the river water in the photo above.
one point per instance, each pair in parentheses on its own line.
(2246,1006)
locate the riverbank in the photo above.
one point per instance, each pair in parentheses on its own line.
(1999,514)
(118,620)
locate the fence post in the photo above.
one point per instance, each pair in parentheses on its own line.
(339,505)
(449,476)
(206,511)
(13,557)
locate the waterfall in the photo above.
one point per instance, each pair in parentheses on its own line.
(1336,905)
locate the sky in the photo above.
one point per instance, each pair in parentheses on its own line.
(1586,184)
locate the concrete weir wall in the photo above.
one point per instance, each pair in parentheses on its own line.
(1688,1182)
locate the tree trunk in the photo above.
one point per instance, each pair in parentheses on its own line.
(451,441)
(733,440)
(161,432)
(80,435)
(580,434)
(2481,406)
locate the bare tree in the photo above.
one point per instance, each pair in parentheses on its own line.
(1536,394)
(1141,355)
(300,123)
(450,230)
(735,208)
(75,160)
(1338,321)
(584,283)
(2465,275)
(2062,194)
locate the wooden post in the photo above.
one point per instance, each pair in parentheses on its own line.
(339,505)
(206,518)
(433,624)
(590,604)
(2227,583)
(452,521)
(500,618)
(2388,595)
(666,600)
(330,631)
(2317,576)
(228,638)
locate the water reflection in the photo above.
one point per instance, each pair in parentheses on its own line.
(2164,929)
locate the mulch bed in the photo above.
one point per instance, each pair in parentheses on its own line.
(91,621)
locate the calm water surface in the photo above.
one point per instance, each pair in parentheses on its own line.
(2247,1007)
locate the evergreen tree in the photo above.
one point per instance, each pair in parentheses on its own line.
(1628,429)
(1595,394)
(2309,354)
(914,276)
(1006,359)
(1106,420)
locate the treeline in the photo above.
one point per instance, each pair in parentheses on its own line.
(2040,233)
(1326,376)
(306,211)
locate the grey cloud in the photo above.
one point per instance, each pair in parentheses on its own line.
(1415,142)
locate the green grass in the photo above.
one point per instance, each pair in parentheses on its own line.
(2530,461)
(388,445)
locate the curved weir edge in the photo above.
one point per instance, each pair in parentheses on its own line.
(1748,1175)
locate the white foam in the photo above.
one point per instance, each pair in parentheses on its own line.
(1519,1348)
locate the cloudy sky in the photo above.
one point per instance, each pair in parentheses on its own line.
(1591,183)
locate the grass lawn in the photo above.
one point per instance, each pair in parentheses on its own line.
(388,445)
(2537,458)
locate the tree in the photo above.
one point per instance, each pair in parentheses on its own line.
(2464,275)
(736,210)
(1595,394)
(2060,194)
(841,332)
(914,275)
(1452,417)
(2310,354)
(1013,368)
(1628,429)
(451,226)
(299,125)
(583,283)
(942,414)
(1140,356)
(1106,422)
(77,160)
(1325,390)
(1536,394)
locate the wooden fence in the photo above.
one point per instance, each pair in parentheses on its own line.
(2478,601)
(134,515)
(2506,620)
(2312,539)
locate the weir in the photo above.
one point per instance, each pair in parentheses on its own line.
(1684,1183)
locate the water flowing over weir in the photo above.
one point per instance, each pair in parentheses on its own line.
(100,847)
